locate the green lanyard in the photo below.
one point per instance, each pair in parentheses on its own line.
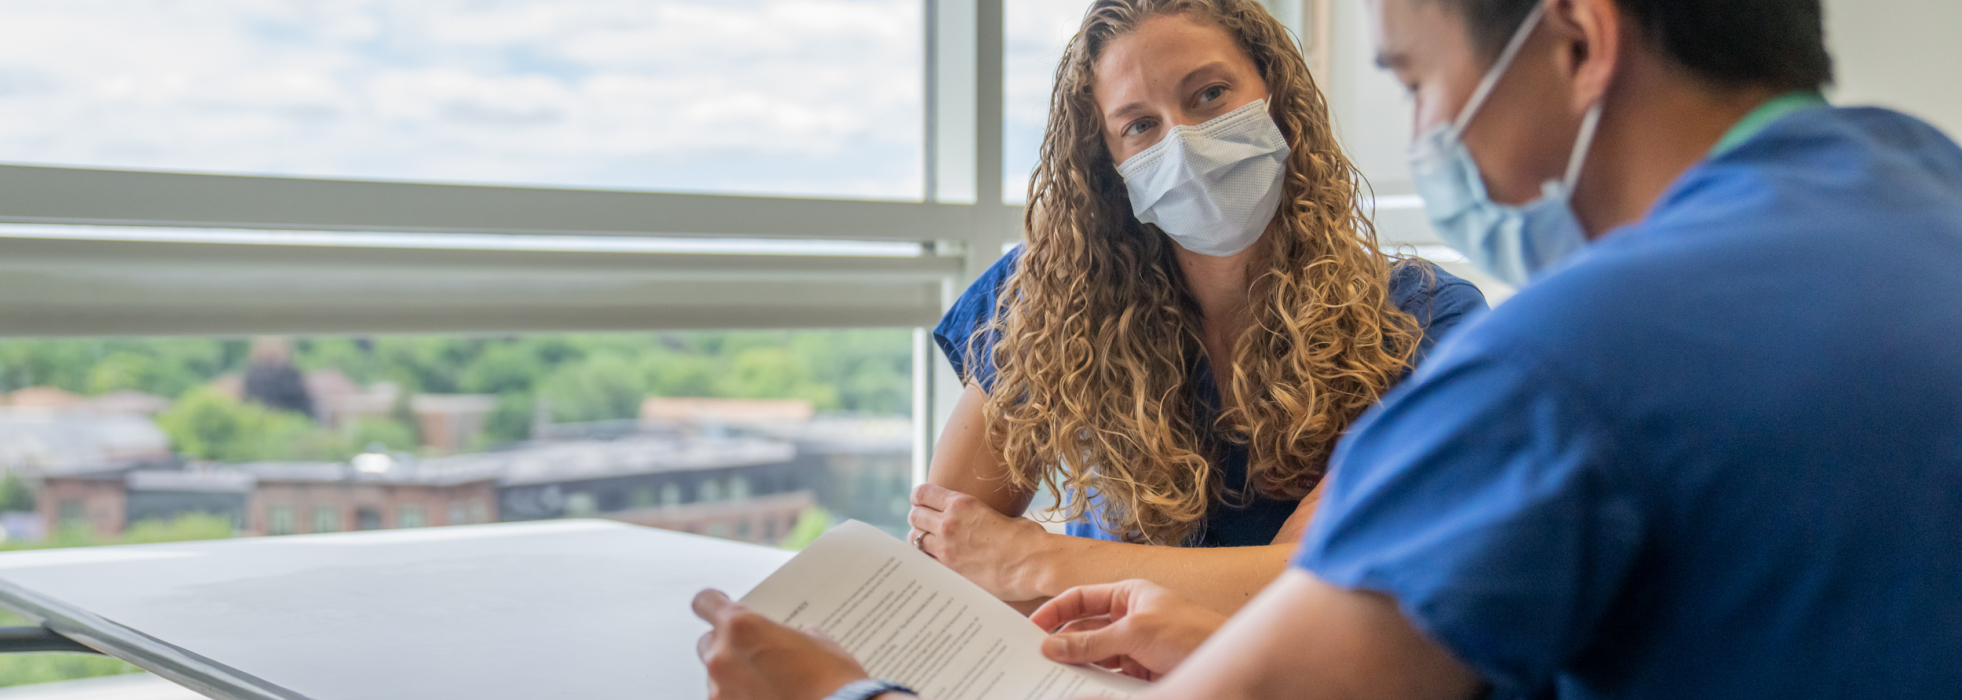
(1773,110)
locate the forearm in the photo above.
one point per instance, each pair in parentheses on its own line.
(963,461)
(1222,578)
(1305,639)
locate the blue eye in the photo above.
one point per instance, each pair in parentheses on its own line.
(1137,127)
(1212,93)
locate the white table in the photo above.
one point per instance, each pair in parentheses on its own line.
(562,609)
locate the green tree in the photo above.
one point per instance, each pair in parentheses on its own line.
(344,354)
(426,365)
(810,524)
(207,424)
(122,370)
(14,494)
(600,387)
(670,373)
(511,420)
(503,368)
(388,433)
(775,372)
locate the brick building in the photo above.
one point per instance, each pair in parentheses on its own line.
(748,489)
(272,498)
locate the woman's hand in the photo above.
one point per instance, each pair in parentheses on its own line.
(1134,626)
(751,657)
(997,552)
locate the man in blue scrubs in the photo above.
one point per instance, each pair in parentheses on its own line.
(1712,450)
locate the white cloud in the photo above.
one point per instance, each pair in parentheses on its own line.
(1036,32)
(817,97)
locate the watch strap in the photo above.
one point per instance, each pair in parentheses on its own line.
(867,689)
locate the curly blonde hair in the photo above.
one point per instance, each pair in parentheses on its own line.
(1098,343)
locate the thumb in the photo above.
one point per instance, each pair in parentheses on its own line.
(1089,647)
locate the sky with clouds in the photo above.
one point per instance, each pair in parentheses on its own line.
(814,97)
(786,97)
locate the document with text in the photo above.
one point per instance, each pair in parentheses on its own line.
(912,621)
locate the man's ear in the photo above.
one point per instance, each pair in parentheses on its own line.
(1591,33)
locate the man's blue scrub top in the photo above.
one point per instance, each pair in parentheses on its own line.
(1718,456)
(1437,299)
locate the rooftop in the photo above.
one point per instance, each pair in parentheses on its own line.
(595,459)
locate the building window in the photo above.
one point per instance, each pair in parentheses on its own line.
(580,505)
(718,530)
(457,516)
(326,519)
(479,512)
(279,519)
(367,519)
(709,492)
(69,513)
(410,515)
(671,495)
(742,530)
(738,488)
(643,497)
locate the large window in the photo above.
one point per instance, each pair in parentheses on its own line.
(786,97)
(758,426)
(1035,32)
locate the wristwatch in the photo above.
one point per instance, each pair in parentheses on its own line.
(868,689)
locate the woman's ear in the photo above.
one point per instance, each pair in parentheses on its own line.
(1592,39)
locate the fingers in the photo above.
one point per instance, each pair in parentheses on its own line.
(713,605)
(1090,647)
(1077,603)
(935,497)
(924,519)
(927,543)
(1085,624)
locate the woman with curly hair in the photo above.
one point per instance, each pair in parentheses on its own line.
(1199,312)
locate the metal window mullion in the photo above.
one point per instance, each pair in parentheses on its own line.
(52,195)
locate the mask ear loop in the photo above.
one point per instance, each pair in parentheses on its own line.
(1498,69)
(1582,143)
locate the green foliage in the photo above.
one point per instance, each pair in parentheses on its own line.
(188,527)
(670,373)
(511,420)
(603,386)
(14,494)
(582,377)
(344,354)
(774,372)
(810,524)
(23,669)
(165,367)
(392,434)
(26,669)
(208,424)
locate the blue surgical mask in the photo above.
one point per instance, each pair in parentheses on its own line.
(1512,243)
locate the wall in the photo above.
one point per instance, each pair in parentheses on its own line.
(477,501)
(103,503)
(1903,54)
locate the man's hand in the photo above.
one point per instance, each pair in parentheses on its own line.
(1134,626)
(751,657)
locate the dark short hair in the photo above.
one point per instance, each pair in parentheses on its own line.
(1779,44)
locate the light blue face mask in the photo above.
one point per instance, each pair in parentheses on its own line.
(1512,243)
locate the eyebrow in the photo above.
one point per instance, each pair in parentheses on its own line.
(1183,82)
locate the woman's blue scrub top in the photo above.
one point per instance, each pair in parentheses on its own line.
(1437,299)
